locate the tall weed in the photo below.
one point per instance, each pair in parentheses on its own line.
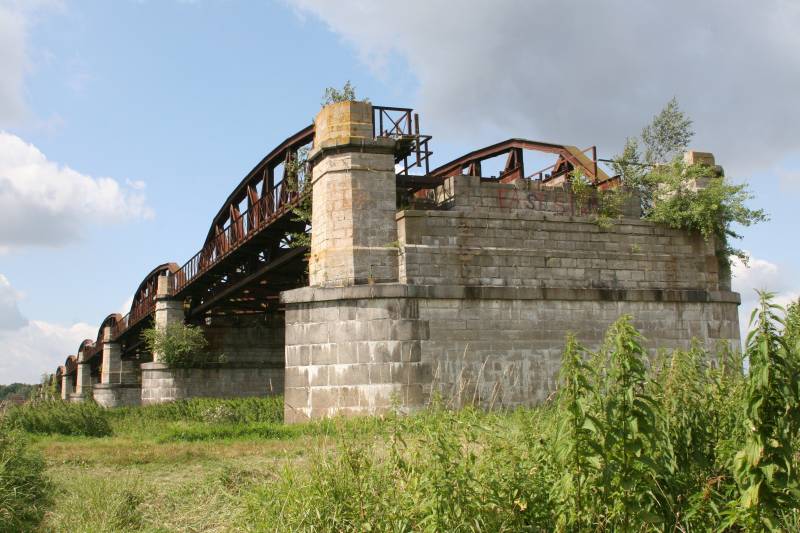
(684,442)
(23,487)
(57,417)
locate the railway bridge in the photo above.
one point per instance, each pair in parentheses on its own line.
(405,279)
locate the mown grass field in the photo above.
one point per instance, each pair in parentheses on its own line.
(166,472)
(144,479)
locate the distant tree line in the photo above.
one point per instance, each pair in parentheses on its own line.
(23,389)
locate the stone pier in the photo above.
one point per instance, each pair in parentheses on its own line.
(66,387)
(119,385)
(247,359)
(473,301)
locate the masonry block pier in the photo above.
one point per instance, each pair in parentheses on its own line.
(487,291)
(252,364)
(414,281)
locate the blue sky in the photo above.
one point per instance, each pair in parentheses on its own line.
(126,123)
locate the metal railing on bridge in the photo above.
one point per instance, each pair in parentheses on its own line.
(278,201)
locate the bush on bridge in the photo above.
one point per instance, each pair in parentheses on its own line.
(179,345)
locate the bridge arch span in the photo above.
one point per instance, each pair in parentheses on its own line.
(144,300)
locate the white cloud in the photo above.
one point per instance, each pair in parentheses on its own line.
(10,316)
(38,348)
(764,276)
(590,72)
(29,349)
(48,204)
(15,20)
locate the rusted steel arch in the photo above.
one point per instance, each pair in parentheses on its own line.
(569,158)
(85,348)
(84,344)
(258,182)
(264,202)
(145,296)
(144,299)
(111,320)
(70,365)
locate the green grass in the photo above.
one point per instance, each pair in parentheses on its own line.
(176,467)
(626,444)
(23,488)
(57,417)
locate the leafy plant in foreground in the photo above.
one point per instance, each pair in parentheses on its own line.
(23,487)
(765,468)
(574,446)
(627,434)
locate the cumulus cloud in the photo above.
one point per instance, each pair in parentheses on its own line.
(762,275)
(29,349)
(50,204)
(10,316)
(38,348)
(589,72)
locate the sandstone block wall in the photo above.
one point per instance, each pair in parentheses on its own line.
(117,395)
(527,235)
(362,349)
(488,289)
(355,235)
(352,356)
(251,363)
(161,383)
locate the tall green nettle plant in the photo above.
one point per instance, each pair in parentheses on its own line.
(766,467)
(574,449)
(627,433)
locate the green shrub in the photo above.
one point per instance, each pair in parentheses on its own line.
(179,345)
(346,94)
(766,468)
(58,417)
(23,488)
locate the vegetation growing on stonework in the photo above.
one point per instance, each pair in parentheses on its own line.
(608,203)
(694,197)
(299,181)
(346,94)
(179,345)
